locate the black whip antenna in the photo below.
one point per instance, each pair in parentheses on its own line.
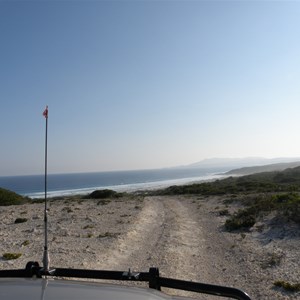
(46,259)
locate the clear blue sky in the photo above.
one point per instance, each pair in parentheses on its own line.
(147,84)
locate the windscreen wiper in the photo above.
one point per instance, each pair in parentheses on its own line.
(153,278)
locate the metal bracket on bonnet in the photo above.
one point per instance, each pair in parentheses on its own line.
(131,275)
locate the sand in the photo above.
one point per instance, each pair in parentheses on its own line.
(183,236)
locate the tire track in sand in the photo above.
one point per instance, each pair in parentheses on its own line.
(163,235)
(184,241)
(185,248)
(166,236)
(134,248)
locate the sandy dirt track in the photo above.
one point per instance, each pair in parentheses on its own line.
(183,236)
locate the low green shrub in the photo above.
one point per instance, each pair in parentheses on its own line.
(103,202)
(103,194)
(108,234)
(289,206)
(240,220)
(20,220)
(67,209)
(10,198)
(88,226)
(25,243)
(9,256)
(272,260)
(224,212)
(288,286)
(243,235)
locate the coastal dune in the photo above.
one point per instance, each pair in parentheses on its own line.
(183,236)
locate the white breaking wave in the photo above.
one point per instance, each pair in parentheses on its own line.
(133,187)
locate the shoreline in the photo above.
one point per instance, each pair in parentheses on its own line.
(82,183)
(134,187)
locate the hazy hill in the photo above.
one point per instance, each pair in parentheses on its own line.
(234,163)
(264,168)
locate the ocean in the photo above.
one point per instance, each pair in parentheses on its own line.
(33,186)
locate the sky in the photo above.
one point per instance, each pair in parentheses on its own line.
(146,84)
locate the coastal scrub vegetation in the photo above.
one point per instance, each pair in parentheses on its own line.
(281,181)
(10,198)
(259,193)
(286,205)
